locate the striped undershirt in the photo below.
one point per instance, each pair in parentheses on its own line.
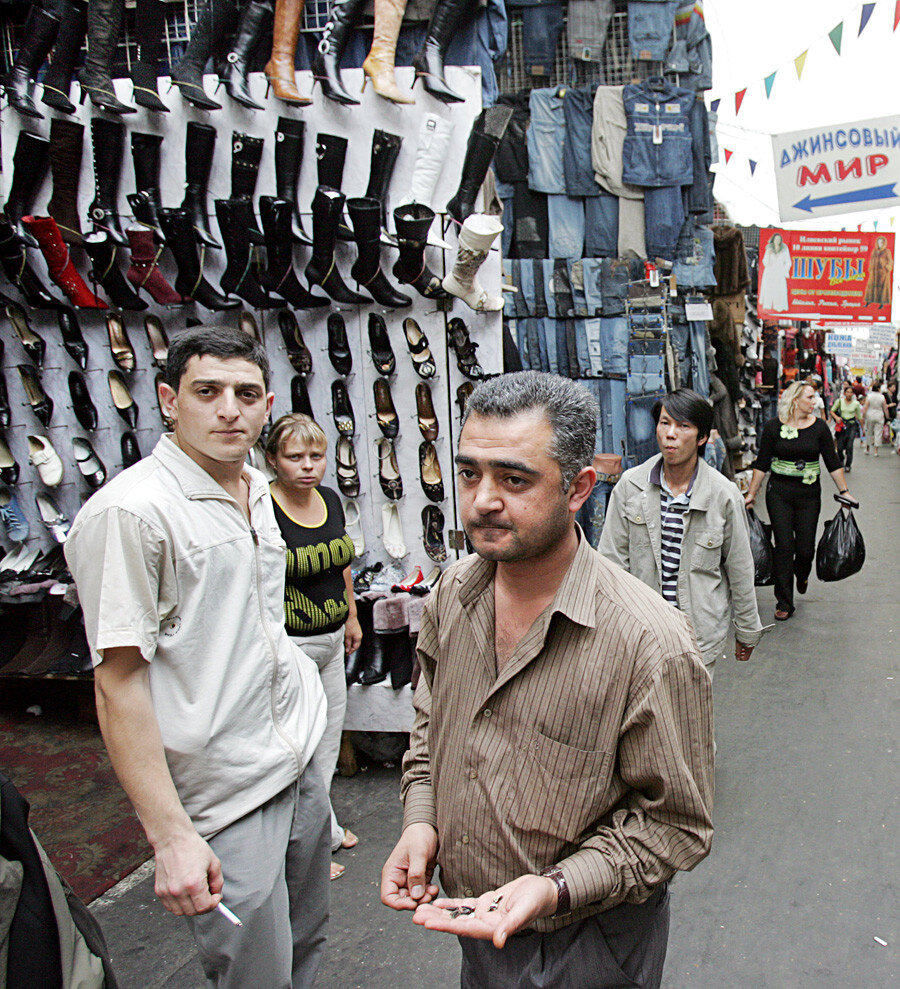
(672,511)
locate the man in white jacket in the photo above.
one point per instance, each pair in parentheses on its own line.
(680,526)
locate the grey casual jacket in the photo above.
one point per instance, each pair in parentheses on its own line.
(715,579)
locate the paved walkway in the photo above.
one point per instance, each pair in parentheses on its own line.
(803,875)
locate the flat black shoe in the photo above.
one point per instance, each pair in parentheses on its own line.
(300,396)
(82,405)
(433,533)
(72,339)
(382,352)
(9,468)
(802,586)
(131,452)
(388,470)
(346,469)
(41,403)
(91,466)
(298,353)
(385,412)
(338,346)
(341,409)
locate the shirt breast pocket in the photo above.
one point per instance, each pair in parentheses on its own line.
(638,533)
(707,553)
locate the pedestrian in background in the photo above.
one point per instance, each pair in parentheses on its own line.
(791,447)
(874,413)
(847,414)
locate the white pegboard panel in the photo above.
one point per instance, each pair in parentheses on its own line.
(355,123)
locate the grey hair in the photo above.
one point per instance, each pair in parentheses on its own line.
(569,407)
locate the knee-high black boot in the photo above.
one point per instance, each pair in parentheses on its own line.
(149,21)
(145,204)
(241,275)
(429,61)
(253,20)
(288,158)
(246,155)
(101,249)
(14,261)
(181,240)
(66,148)
(412,223)
(327,209)
(216,22)
(40,32)
(342,16)
(365,215)
(280,277)
(200,141)
(66,49)
(331,154)
(107,143)
(488,129)
(31,159)
(385,150)
(104,27)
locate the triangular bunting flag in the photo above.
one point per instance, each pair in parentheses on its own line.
(800,61)
(836,34)
(752,166)
(892,221)
(714,105)
(728,155)
(859,226)
(875,224)
(770,82)
(738,100)
(864,16)
(896,14)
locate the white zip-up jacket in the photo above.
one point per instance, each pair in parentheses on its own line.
(715,574)
(164,560)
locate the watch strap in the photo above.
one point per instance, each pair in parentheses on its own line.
(563,901)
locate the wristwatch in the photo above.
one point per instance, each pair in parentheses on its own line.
(563,902)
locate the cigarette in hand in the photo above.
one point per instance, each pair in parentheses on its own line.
(228,915)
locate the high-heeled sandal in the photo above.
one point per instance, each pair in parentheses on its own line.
(385,412)
(428,422)
(388,470)
(119,344)
(419,350)
(433,533)
(345,467)
(298,353)
(464,347)
(34,345)
(430,472)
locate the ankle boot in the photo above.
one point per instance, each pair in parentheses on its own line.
(376,663)
(241,275)
(327,208)
(431,155)
(66,49)
(357,661)
(429,61)
(365,215)
(379,64)
(412,224)
(475,238)
(149,22)
(145,155)
(385,149)
(66,145)
(288,158)
(342,16)
(280,67)
(200,140)
(31,160)
(14,261)
(488,129)
(102,252)
(331,154)
(339,352)
(40,32)
(246,155)
(103,28)
(216,22)
(59,264)
(144,272)
(107,140)
(280,277)
(253,22)
(181,239)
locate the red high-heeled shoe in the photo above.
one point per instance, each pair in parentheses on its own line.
(59,263)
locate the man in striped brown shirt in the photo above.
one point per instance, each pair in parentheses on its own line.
(560,768)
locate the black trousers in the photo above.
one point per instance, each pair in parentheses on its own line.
(623,947)
(844,440)
(794,514)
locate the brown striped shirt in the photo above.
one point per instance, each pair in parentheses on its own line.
(591,750)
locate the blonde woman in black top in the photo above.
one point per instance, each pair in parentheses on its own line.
(790,448)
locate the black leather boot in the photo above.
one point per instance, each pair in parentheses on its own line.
(101,249)
(255,17)
(400,656)
(145,204)
(200,141)
(279,276)
(376,661)
(216,22)
(66,50)
(288,158)
(356,662)
(331,153)
(385,149)
(104,24)
(488,129)
(365,215)
(429,61)
(66,146)
(327,209)
(31,159)
(14,262)
(342,16)
(246,155)
(107,141)
(412,223)
(149,22)
(181,239)
(40,32)
(241,275)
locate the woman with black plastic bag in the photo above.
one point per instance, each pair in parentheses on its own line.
(791,447)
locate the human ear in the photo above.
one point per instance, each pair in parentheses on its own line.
(581,487)
(168,399)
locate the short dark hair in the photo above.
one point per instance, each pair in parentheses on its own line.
(859,378)
(686,405)
(216,341)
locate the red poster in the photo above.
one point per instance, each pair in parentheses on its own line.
(823,274)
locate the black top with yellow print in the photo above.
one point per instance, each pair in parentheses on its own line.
(315,596)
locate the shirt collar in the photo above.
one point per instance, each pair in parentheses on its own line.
(658,477)
(194,481)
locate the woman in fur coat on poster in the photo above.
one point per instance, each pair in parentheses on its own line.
(878,286)
(776,266)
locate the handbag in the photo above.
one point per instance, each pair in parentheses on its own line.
(839,426)
(886,433)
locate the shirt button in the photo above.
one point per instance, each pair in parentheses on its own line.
(468,891)
(473,775)
(487,712)
(637,518)
(465,841)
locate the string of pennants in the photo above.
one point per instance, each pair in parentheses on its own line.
(835,35)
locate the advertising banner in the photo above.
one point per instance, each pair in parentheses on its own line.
(820,274)
(842,169)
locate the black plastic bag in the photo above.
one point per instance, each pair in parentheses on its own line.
(841,551)
(761,547)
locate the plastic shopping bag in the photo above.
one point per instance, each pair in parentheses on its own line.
(841,551)
(761,546)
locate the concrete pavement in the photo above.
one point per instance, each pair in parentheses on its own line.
(803,875)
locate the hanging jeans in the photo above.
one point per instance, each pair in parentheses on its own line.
(650,28)
(610,393)
(794,514)
(694,255)
(640,427)
(587,25)
(615,276)
(646,367)
(542,24)
(664,216)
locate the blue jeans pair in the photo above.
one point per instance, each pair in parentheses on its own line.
(689,342)
(583,226)
(615,276)
(694,256)
(610,395)
(646,367)
(664,216)
(542,24)
(650,26)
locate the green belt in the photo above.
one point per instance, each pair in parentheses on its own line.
(807,471)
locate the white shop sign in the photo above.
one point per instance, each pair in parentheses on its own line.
(837,169)
(839,344)
(885,335)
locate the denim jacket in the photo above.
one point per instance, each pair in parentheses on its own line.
(658,147)
(715,576)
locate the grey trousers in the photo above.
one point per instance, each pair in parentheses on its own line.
(623,947)
(275,862)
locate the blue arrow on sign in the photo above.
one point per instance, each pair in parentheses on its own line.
(859,196)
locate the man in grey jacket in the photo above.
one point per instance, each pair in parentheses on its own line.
(680,527)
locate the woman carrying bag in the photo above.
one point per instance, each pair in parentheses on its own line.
(847,415)
(790,447)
